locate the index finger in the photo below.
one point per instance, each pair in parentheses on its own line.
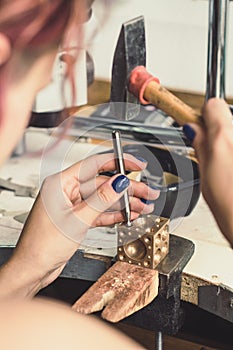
(93,165)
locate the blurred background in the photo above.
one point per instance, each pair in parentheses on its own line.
(176,33)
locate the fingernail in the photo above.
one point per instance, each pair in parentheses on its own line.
(142,159)
(189,132)
(120,183)
(146,201)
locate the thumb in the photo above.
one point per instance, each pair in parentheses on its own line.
(105,196)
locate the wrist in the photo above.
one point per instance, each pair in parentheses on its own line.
(18,281)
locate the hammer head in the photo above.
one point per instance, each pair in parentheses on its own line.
(130,52)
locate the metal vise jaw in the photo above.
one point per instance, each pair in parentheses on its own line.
(145,243)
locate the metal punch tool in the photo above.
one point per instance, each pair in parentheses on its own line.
(120,167)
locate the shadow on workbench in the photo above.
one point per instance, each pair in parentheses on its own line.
(201,330)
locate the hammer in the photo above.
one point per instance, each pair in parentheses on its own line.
(132,84)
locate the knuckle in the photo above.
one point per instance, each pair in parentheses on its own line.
(104,195)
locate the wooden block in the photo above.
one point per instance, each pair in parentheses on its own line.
(122,290)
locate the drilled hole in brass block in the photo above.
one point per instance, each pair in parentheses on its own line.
(158,251)
(121,257)
(147,240)
(135,250)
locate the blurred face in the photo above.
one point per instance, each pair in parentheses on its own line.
(27,52)
(19,98)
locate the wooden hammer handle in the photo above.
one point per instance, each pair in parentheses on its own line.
(149,90)
(157,95)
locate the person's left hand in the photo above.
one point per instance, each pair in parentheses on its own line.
(68,205)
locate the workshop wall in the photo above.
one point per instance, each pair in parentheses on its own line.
(176,33)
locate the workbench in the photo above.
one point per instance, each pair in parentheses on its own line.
(209,268)
(207,279)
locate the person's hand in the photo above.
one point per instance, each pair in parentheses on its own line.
(213,144)
(69,204)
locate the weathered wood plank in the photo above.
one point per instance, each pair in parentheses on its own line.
(122,290)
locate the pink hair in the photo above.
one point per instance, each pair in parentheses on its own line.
(34,26)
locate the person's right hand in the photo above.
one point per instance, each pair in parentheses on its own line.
(213,144)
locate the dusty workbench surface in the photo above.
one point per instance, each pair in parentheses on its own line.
(199,227)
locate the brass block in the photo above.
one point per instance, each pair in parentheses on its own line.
(145,243)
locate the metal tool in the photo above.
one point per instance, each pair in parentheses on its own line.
(217,48)
(120,167)
(130,52)
(100,126)
(20,190)
(132,83)
(217,33)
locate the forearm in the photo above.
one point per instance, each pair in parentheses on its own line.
(60,218)
(213,144)
(39,257)
(224,217)
(18,280)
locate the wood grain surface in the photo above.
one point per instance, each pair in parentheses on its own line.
(121,291)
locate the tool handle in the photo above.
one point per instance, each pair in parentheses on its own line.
(170,104)
(149,90)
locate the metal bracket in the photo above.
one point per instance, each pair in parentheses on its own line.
(164,313)
(217,300)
